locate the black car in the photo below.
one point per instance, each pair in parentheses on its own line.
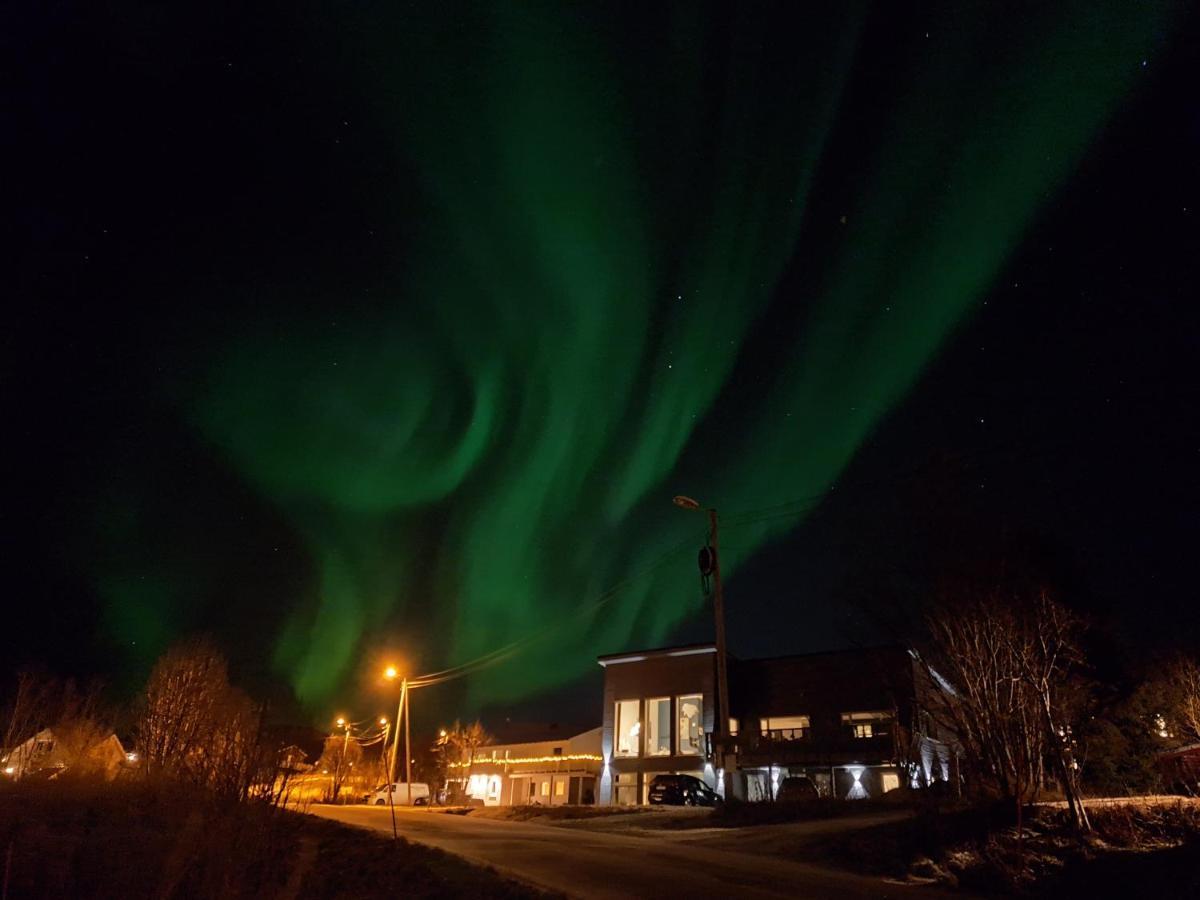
(681,790)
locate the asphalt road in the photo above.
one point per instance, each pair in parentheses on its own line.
(597,864)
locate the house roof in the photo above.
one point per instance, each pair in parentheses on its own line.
(613,659)
(691,649)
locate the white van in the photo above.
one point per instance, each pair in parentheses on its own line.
(400,794)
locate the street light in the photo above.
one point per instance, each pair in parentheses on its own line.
(346,726)
(402,710)
(710,565)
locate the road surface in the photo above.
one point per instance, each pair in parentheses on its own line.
(598,864)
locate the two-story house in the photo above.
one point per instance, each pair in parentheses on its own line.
(658,712)
(851,721)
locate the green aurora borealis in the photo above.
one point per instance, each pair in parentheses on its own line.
(617,289)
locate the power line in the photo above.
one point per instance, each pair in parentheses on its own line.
(506,652)
(787,509)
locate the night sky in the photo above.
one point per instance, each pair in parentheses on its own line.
(376,330)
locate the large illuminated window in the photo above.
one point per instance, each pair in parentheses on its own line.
(627,728)
(785,728)
(658,726)
(865,725)
(691,724)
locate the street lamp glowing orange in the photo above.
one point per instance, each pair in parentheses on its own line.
(383,720)
(341,722)
(403,714)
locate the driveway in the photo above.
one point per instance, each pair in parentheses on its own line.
(596,864)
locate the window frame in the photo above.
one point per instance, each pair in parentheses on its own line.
(636,752)
(868,721)
(646,751)
(679,700)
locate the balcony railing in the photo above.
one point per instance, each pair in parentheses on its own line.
(778,735)
(750,742)
(799,743)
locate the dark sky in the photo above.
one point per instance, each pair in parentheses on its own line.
(376,330)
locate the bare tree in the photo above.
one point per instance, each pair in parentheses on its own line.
(238,757)
(461,744)
(1007,661)
(341,755)
(1047,651)
(179,712)
(34,706)
(79,725)
(81,728)
(1182,682)
(197,729)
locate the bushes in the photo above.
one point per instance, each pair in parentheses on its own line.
(981,850)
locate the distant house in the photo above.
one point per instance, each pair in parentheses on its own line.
(851,721)
(1180,768)
(546,772)
(47,754)
(294,760)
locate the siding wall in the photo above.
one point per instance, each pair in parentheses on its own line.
(655,676)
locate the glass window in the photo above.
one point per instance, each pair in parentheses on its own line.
(560,788)
(628,728)
(545,788)
(691,724)
(626,789)
(658,726)
(785,728)
(775,723)
(866,724)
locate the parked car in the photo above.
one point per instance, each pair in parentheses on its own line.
(681,790)
(797,789)
(400,794)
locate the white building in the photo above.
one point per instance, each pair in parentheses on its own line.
(545,773)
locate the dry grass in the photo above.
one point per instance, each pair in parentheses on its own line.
(135,840)
(1155,846)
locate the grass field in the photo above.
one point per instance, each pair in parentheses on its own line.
(133,840)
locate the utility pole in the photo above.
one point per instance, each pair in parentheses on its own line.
(710,564)
(337,772)
(719,614)
(383,750)
(407,752)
